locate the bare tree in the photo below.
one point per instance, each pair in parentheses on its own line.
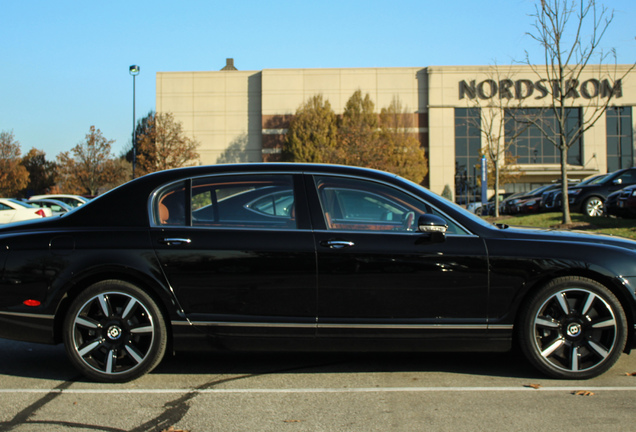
(491,123)
(570,32)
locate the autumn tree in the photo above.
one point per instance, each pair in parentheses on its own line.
(162,144)
(13,175)
(42,173)
(570,33)
(360,137)
(401,150)
(358,132)
(313,133)
(89,166)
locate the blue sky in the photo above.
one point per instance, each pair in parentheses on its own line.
(65,64)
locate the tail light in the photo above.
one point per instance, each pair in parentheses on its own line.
(41,213)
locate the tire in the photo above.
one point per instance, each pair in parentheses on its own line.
(580,343)
(114,332)
(593,206)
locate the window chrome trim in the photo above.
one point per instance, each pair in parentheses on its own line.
(393,186)
(153,195)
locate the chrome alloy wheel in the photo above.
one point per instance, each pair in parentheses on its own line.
(113,333)
(575,330)
(594,207)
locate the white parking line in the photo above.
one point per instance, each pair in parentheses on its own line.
(321,390)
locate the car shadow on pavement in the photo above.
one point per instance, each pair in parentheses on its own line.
(46,362)
(505,365)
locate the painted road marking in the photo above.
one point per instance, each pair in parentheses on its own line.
(320,390)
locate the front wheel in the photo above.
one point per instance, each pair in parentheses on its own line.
(114,332)
(573,328)
(593,206)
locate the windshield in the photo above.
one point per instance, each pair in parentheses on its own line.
(593,180)
(455,206)
(20,203)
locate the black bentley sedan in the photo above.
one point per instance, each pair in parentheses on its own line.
(307,257)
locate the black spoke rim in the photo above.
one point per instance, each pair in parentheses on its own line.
(113,333)
(575,330)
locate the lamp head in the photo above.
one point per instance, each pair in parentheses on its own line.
(134,70)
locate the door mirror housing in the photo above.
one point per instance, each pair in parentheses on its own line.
(430,223)
(434,226)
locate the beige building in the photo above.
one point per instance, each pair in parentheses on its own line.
(242,116)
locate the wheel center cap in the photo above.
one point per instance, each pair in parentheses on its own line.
(113,332)
(574,329)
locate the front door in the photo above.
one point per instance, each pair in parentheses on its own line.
(379,277)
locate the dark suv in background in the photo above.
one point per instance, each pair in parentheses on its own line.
(588,199)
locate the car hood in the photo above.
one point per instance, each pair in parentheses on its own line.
(527,233)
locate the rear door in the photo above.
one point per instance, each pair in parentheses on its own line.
(239,254)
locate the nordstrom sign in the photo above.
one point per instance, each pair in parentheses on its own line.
(522,89)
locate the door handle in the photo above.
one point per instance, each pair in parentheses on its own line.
(337,244)
(175,241)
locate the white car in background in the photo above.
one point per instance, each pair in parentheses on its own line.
(57,207)
(13,210)
(72,200)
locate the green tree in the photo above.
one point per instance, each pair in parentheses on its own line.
(162,144)
(90,167)
(42,173)
(13,175)
(313,133)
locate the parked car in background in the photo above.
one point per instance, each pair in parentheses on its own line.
(610,206)
(13,210)
(57,207)
(551,199)
(72,200)
(477,207)
(489,208)
(622,203)
(589,199)
(515,203)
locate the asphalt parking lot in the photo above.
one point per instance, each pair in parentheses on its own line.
(40,391)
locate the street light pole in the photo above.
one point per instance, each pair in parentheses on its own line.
(134,71)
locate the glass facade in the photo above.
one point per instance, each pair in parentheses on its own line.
(527,129)
(620,145)
(467,154)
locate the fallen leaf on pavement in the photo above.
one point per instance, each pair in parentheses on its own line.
(583,393)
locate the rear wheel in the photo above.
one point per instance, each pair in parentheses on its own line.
(573,328)
(114,332)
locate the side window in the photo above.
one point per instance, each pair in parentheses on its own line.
(170,206)
(243,201)
(357,205)
(360,205)
(627,178)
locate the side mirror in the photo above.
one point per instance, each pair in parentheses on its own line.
(430,223)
